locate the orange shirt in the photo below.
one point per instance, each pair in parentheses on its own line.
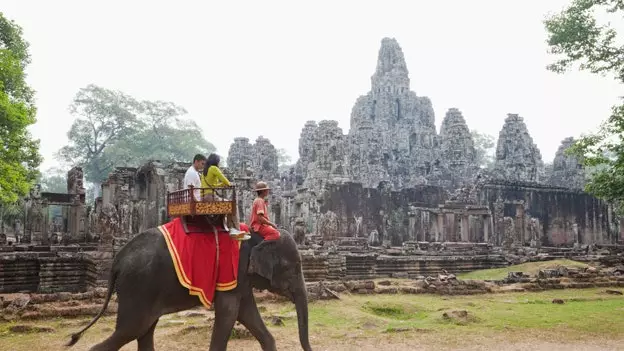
(259,207)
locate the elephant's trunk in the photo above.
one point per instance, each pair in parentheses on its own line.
(301,305)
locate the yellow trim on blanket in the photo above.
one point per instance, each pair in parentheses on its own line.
(226,286)
(193,290)
(231,285)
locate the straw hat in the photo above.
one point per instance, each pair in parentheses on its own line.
(261,186)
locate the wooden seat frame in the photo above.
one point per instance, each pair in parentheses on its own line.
(182,202)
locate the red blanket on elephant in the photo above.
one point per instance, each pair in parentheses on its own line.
(194,257)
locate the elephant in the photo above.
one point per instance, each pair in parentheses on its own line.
(144,277)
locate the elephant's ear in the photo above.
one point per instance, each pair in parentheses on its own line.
(264,260)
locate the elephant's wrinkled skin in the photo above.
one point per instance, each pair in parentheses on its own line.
(147,288)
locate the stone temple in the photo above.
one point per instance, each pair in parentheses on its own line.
(391,197)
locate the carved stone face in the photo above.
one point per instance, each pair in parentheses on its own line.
(35,193)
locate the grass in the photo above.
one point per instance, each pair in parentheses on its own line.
(529,268)
(494,321)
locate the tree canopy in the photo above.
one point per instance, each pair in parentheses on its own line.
(19,152)
(577,38)
(53,180)
(114,129)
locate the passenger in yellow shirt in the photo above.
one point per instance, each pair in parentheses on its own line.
(212,177)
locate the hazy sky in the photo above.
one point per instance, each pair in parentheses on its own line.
(249,68)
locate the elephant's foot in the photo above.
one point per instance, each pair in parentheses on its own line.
(146,342)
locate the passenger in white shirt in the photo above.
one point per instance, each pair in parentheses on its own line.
(191,177)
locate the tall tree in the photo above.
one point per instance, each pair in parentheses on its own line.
(103,117)
(53,180)
(164,137)
(19,152)
(578,40)
(114,129)
(484,146)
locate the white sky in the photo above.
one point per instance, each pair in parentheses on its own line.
(249,68)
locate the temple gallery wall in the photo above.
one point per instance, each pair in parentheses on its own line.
(392,182)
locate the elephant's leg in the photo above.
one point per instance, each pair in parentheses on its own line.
(134,320)
(226,305)
(249,316)
(146,342)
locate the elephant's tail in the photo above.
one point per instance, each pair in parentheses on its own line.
(111,287)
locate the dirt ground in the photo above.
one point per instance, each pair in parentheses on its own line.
(175,339)
(586,319)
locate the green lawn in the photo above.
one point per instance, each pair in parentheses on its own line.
(530,268)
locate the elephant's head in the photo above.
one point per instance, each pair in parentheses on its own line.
(276,266)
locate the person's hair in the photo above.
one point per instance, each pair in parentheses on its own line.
(199,157)
(213,160)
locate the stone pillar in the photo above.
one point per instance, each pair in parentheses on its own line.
(497,221)
(439,227)
(450,229)
(486,228)
(520,228)
(108,223)
(41,236)
(77,212)
(465,228)
(411,232)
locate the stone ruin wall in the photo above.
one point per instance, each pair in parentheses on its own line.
(390,183)
(548,216)
(406,182)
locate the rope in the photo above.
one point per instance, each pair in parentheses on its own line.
(216,233)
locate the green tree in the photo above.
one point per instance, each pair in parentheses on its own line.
(114,129)
(578,40)
(53,180)
(9,214)
(103,117)
(19,152)
(484,146)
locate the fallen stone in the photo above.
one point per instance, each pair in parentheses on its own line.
(614,292)
(19,303)
(240,332)
(558,301)
(286,316)
(397,330)
(460,317)
(193,328)
(277,321)
(369,325)
(24,329)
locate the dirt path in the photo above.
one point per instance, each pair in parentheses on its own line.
(408,341)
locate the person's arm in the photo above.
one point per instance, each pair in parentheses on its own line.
(217,173)
(263,220)
(197,185)
(261,217)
